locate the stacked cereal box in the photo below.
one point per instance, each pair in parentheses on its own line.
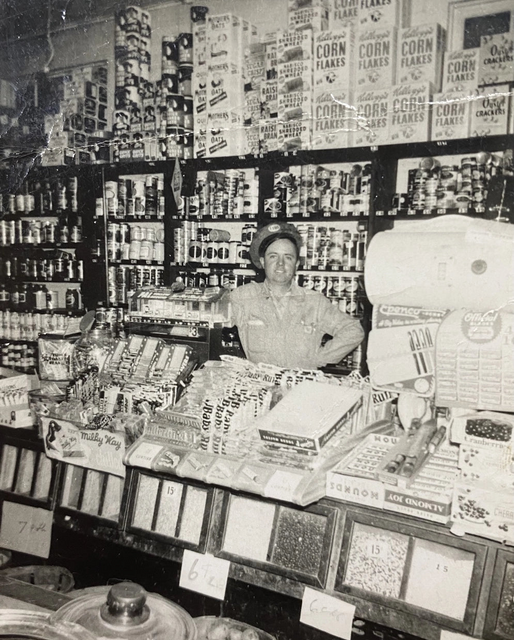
(333,110)
(345,13)
(199,83)
(269,96)
(254,74)
(308,14)
(295,77)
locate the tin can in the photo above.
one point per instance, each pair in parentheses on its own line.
(185,75)
(185,48)
(52,299)
(169,55)
(174,110)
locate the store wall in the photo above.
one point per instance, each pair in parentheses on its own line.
(76,45)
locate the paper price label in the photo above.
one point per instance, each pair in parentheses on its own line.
(377,550)
(327,613)
(26,529)
(204,573)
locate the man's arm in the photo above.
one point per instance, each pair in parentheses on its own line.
(346,331)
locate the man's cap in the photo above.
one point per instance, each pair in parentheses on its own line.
(268,232)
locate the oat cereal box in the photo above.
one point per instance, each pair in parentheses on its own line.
(460,68)
(420,54)
(372,106)
(376,58)
(451,114)
(200,46)
(345,13)
(225,39)
(374,13)
(496,59)
(308,14)
(410,114)
(225,134)
(224,86)
(490,111)
(333,120)
(293,135)
(334,59)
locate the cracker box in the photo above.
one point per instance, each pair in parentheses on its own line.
(225,39)
(490,111)
(372,106)
(379,13)
(333,120)
(376,58)
(293,46)
(308,15)
(295,76)
(451,115)
(295,106)
(334,59)
(460,68)
(420,54)
(410,114)
(496,59)
(345,13)
(293,135)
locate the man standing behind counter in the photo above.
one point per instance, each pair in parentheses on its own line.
(281,323)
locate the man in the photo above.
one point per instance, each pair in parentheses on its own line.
(281,323)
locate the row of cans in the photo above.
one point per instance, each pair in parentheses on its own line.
(28,326)
(22,357)
(35,232)
(136,250)
(332,247)
(231,194)
(123,280)
(29,296)
(141,196)
(49,269)
(42,197)
(226,279)
(345,292)
(136,147)
(133,115)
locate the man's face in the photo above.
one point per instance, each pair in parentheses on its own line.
(280,262)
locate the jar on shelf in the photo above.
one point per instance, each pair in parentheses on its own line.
(91,350)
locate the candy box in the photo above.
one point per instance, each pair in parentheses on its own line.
(485,428)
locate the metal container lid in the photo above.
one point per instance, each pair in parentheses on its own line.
(126,611)
(35,625)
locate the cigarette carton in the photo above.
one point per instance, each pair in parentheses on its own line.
(379,13)
(420,54)
(496,59)
(376,58)
(293,134)
(345,13)
(451,115)
(334,59)
(333,120)
(409,118)
(293,46)
(460,68)
(308,14)
(490,111)
(372,107)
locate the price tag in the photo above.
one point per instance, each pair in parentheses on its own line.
(26,529)
(326,613)
(377,550)
(204,573)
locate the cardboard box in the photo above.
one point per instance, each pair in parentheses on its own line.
(269,99)
(334,59)
(451,115)
(426,505)
(490,429)
(363,491)
(224,86)
(200,51)
(345,13)
(295,76)
(420,54)
(254,70)
(410,115)
(268,135)
(376,58)
(460,68)
(490,111)
(293,46)
(333,120)
(379,13)
(14,389)
(496,59)
(16,417)
(270,60)
(295,106)
(225,39)
(372,107)
(309,15)
(225,135)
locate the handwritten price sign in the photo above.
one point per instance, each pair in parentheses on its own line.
(26,529)
(326,613)
(204,573)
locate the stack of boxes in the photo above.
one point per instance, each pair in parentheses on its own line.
(81,123)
